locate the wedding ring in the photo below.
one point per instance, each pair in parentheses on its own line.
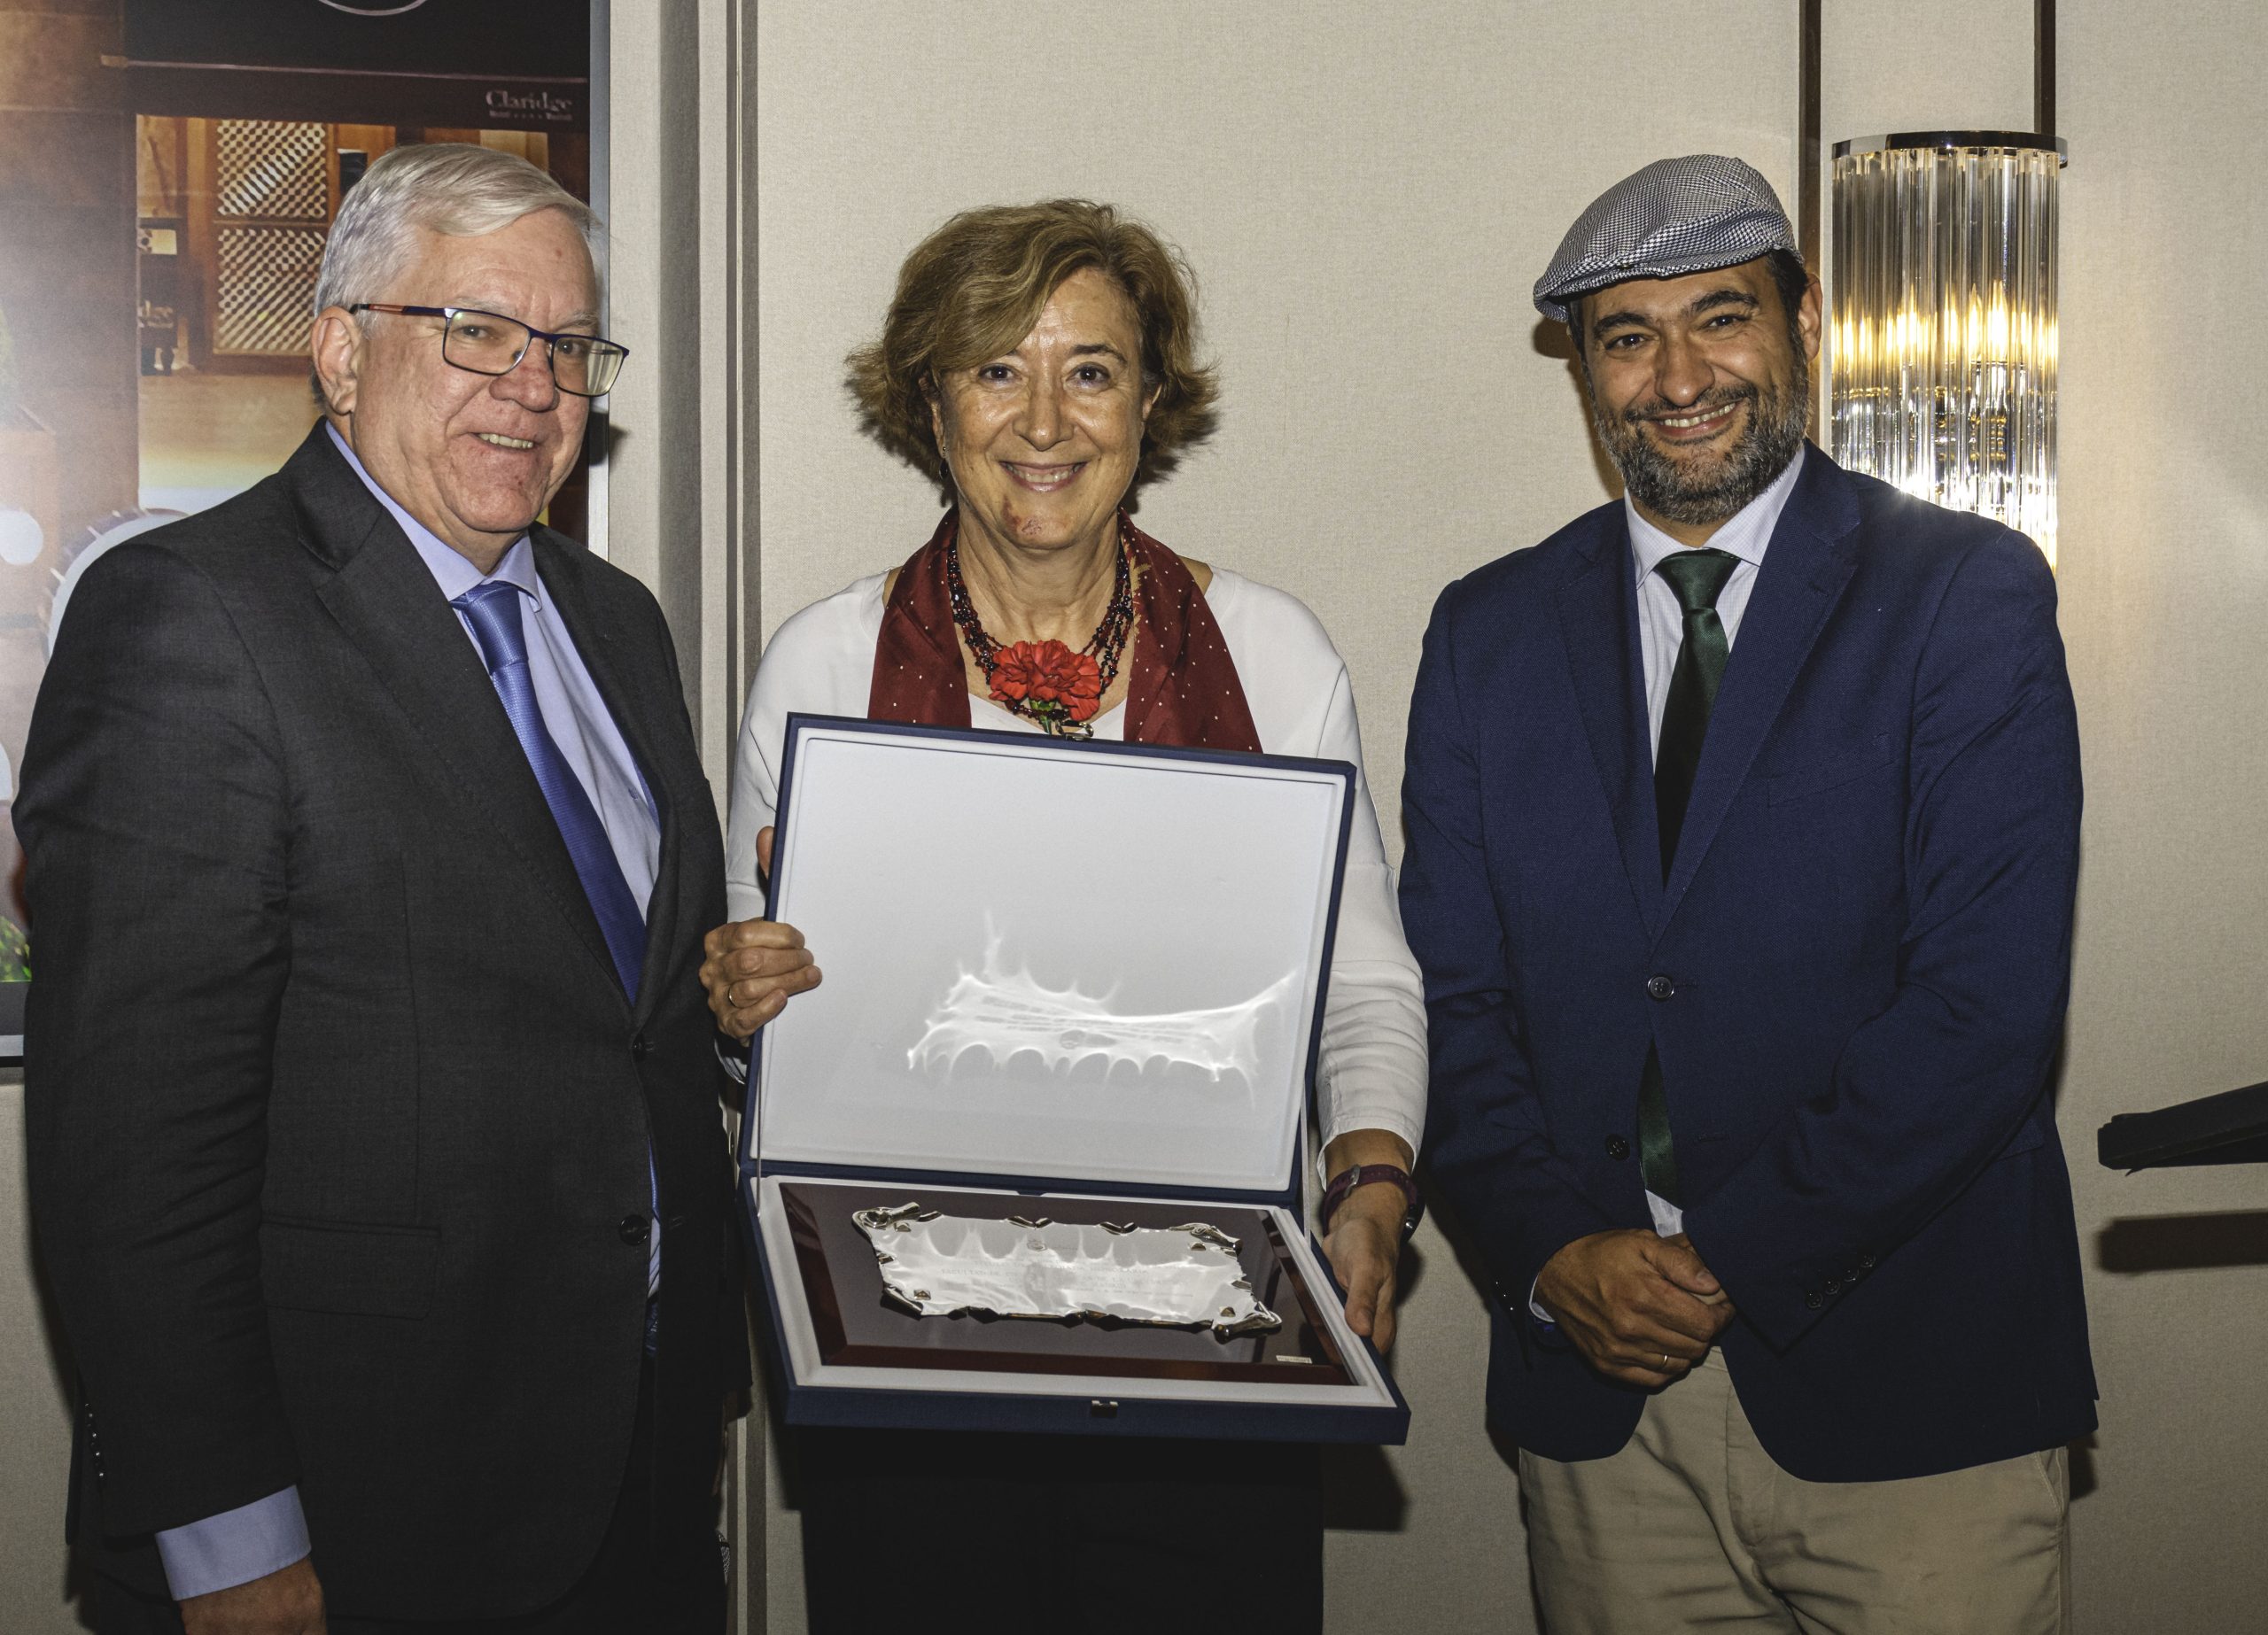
(1665,1362)
(731,1003)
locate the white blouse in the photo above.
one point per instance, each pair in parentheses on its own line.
(1373,1059)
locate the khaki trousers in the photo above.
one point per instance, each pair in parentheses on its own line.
(1692,1526)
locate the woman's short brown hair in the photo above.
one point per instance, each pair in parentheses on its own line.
(974,289)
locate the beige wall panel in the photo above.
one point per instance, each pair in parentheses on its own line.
(1924,65)
(2164,574)
(34,1410)
(666,462)
(1367,194)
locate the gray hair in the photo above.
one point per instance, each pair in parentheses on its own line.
(451,188)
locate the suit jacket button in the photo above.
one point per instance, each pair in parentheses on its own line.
(1618,1147)
(639,1047)
(1813,1300)
(1834,1285)
(634,1229)
(1866,1263)
(1658,987)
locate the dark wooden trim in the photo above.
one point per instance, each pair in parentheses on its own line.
(857,1326)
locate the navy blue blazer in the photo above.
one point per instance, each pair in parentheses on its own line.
(1856,974)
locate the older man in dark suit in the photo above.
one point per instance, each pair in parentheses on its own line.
(1742,832)
(376,1152)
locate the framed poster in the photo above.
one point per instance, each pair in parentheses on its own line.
(167,211)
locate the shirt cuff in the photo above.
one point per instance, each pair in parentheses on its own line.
(1348,1122)
(1669,1219)
(235,1546)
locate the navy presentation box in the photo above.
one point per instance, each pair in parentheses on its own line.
(1072,983)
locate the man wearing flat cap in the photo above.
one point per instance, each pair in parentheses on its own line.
(1743,820)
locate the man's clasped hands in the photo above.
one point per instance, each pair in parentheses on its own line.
(1642,1308)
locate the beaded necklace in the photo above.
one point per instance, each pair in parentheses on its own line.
(1044,682)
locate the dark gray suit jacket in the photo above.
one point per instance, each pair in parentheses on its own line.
(338,1116)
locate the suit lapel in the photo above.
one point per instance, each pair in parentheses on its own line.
(385,600)
(1598,623)
(1803,574)
(635,712)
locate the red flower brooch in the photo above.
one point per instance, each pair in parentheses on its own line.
(1055,689)
(1047,682)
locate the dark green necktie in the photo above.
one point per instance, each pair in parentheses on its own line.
(1696,577)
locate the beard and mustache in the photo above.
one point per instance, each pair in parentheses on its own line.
(1707,489)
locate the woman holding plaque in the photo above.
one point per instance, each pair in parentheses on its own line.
(1039,364)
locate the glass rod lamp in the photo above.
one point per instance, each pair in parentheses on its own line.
(1942,336)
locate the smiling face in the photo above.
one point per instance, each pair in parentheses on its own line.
(474,457)
(1700,386)
(1042,441)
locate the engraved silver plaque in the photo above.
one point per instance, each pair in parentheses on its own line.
(938,1265)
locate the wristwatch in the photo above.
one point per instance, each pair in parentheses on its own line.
(1361,1175)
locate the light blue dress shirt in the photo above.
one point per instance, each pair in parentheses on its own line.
(269,1534)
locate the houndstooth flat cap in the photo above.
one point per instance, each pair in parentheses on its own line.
(1675,216)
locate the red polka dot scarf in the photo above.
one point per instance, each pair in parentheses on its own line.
(1182,685)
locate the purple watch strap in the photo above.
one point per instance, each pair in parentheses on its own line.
(1364,1175)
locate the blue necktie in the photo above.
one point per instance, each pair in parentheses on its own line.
(492,609)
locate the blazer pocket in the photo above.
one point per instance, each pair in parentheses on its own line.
(1833,774)
(362,1271)
(2030,1138)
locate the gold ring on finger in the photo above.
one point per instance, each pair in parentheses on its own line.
(1665,1362)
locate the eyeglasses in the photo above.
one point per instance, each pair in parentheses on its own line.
(491,344)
